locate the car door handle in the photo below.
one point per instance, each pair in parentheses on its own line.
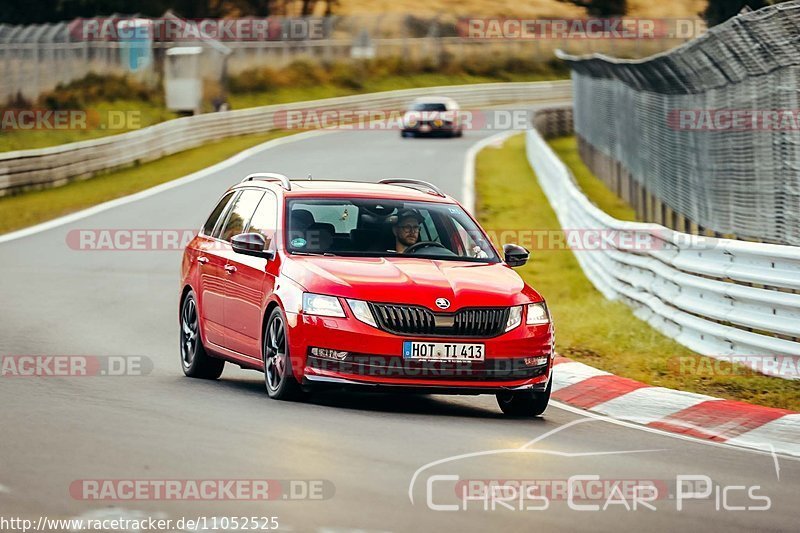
(202,260)
(230,269)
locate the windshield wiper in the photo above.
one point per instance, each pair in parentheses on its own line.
(319,254)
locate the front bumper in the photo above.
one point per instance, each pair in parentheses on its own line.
(429,128)
(374,358)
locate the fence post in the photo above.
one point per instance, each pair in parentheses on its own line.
(36,56)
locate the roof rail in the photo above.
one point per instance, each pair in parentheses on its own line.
(270,176)
(414,184)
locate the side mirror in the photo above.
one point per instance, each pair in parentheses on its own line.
(251,244)
(515,254)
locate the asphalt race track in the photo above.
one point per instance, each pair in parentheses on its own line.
(369,452)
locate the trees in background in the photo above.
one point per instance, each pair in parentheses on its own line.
(602,8)
(718,11)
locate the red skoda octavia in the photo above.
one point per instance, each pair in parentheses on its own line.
(385,286)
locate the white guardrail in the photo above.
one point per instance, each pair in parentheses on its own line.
(58,164)
(718,297)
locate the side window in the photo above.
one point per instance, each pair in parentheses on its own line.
(208,227)
(240,213)
(265,218)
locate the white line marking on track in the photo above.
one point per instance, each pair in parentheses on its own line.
(468,201)
(200,174)
(525,448)
(468,178)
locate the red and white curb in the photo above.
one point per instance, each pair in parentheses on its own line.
(687,413)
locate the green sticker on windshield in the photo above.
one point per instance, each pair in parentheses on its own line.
(299,242)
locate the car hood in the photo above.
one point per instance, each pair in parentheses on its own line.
(415,281)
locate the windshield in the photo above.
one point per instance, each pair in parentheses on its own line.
(384,228)
(429,107)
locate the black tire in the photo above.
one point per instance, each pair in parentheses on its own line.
(195,361)
(524,403)
(278,375)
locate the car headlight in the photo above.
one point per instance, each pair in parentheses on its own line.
(410,120)
(321,305)
(514,317)
(537,314)
(362,312)
(438,122)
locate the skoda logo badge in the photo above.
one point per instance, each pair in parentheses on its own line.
(442,303)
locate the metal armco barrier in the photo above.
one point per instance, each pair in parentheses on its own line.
(59,164)
(718,297)
(709,130)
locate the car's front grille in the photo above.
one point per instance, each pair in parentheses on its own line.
(416,320)
(502,369)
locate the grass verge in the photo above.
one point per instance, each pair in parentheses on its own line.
(567,150)
(591,329)
(149,108)
(285,95)
(33,207)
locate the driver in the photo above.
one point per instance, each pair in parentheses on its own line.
(406,229)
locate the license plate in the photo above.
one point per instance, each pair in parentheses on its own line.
(424,127)
(442,351)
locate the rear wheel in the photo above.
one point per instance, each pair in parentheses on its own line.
(524,403)
(278,375)
(195,361)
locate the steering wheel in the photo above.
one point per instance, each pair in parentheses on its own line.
(423,244)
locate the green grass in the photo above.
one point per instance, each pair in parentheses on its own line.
(589,328)
(33,207)
(145,113)
(567,149)
(150,113)
(298,94)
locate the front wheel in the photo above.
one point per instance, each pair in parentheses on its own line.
(278,375)
(524,403)
(195,361)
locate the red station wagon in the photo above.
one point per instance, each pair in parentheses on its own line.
(389,285)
